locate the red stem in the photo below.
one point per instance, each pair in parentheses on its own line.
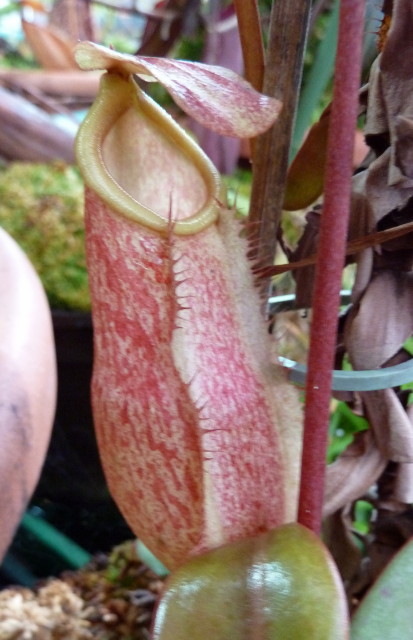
(333,233)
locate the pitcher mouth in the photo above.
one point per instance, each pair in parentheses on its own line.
(141,163)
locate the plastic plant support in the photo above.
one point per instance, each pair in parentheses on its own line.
(368,380)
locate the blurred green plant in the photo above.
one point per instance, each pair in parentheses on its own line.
(318,73)
(344,424)
(363,512)
(385,612)
(41,206)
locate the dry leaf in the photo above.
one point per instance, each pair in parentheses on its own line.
(353,473)
(393,431)
(307,245)
(52,48)
(338,536)
(383,321)
(403,487)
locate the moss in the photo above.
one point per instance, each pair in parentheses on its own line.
(239,190)
(41,206)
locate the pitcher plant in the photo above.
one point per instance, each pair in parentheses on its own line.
(198,429)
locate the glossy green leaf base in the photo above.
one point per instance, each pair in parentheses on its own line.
(279,585)
(386,612)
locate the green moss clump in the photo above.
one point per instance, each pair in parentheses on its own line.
(41,206)
(239,190)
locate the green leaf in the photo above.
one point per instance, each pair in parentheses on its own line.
(386,612)
(305,180)
(343,425)
(281,584)
(363,512)
(319,76)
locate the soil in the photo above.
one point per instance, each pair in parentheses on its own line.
(112,598)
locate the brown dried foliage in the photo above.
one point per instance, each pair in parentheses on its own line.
(381,317)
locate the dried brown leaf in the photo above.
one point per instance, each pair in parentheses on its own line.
(353,247)
(353,473)
(403,487)
(381,196)
(307,245)
(52,48)
(364,261)
(376,121)
(29,133)
(397,80)
(55,83)
(393,431)
(382,322)
(337,535)
(404,145)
